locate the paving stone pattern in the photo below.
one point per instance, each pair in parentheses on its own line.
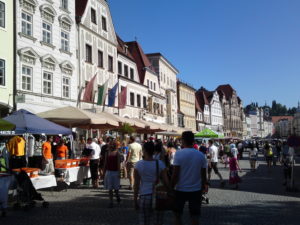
(260,200)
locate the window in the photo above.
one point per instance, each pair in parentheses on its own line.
(131,74)
(119,68)
(154,84)
(110,64)
(47,83)
(125,70)
(93,16)
(26,24)
(64,4)
(100,59)
(138,100)
(26,78)
(47,33)
(131,99)
(145,102)
(2,14)
(104,27)
(66,87)
(88,53)
(148,83)
(2,72)
(65,41)
(151,85)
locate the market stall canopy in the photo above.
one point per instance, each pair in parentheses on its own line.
(150,127)
(6,126)
(123,120)
(27,122)
(207,133)
(74,117)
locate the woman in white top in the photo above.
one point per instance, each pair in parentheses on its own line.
(145,179)
(253,152)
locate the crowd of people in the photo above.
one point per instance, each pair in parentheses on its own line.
(183,166)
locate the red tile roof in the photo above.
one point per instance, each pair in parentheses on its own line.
(226,89)
(275,119)
(122,49)
(80,6)
(140,59)
(202,98)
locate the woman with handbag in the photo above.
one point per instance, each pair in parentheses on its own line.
(146,175)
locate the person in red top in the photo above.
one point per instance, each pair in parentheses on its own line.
(62,150)
(47,163)
(112,172)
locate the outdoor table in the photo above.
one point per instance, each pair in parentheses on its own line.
(75,174)
(41,182)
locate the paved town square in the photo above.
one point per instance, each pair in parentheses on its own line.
(261,200)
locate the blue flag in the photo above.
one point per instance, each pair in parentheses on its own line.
(112,95)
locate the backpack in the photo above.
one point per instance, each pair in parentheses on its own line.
(269,152)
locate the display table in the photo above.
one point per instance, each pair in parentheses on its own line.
(75,174)
(41,182)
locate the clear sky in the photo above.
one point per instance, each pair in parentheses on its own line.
(254,45)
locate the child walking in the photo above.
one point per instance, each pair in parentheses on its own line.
(234,178)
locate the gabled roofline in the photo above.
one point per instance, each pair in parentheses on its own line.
(164,58)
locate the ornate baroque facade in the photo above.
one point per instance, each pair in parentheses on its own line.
(46,54)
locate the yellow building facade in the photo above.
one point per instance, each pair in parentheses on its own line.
(186,105)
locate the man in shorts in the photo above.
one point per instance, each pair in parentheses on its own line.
(134,155)
(213,162)
(188,179)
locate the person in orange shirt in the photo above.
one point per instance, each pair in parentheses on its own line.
(62,150)
(47,163)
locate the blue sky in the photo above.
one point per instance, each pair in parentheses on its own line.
(252,44)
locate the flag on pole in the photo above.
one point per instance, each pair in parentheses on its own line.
(112,95)
(79,95)
(123,98)
(102,90)
(89,90)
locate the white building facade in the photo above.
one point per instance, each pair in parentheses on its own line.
(137,94)
(46,54)
(97,46)
(167,80)
(216,112)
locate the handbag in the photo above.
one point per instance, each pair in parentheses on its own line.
(164,200)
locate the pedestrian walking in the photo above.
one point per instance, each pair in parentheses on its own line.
(145,178)
(159,151)
(234,178)
(189,179)
(94,160)
(226,154)
(268,154)
(240,148)
(124,150)
(112,172)
(253,154)
(134,155)
(213,162)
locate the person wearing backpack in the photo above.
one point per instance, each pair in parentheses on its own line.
(268,154)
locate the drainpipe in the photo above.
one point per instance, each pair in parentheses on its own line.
(15,56)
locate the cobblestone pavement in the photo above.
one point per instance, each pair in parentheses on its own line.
(261,200)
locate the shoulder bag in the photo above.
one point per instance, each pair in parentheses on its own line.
(164,200)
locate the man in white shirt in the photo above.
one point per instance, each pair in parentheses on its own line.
(189,179)
(94,160)
(134,155)
(213,161)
